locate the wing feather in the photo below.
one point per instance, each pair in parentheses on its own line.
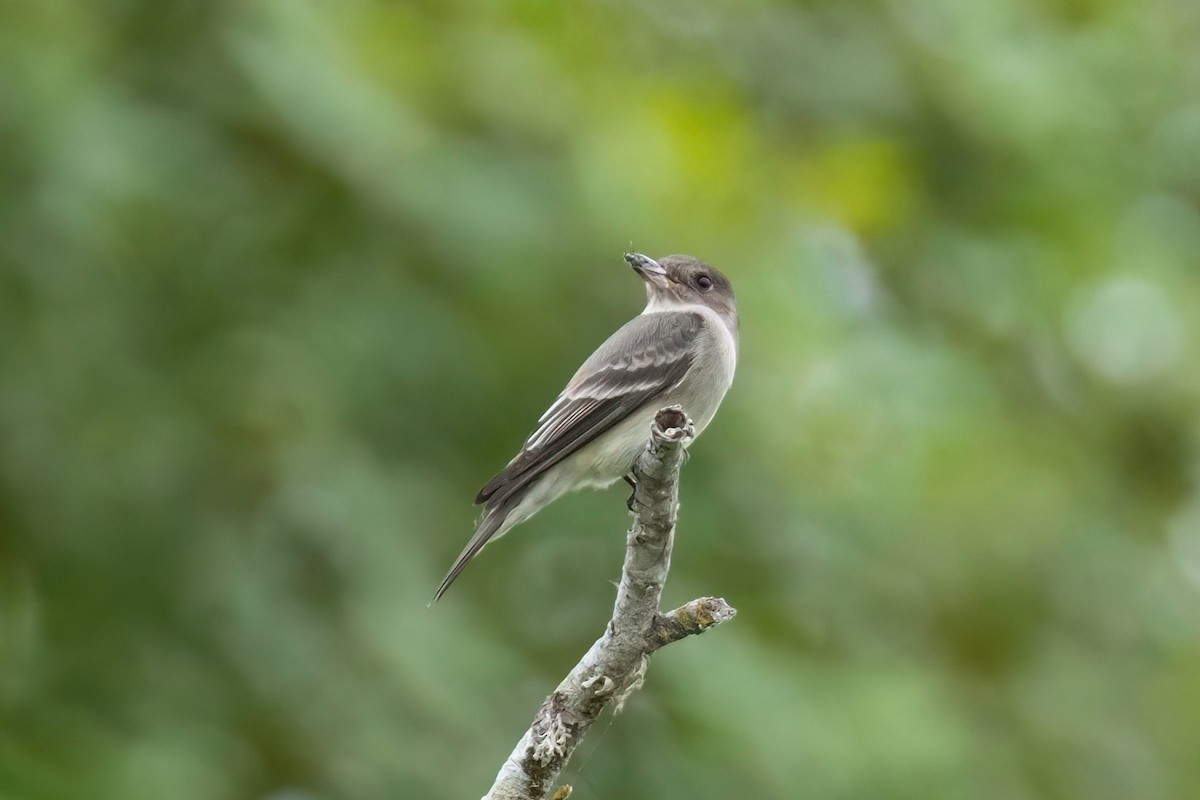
(646,357)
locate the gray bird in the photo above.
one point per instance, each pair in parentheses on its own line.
(681,349)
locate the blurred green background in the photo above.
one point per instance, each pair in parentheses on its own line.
(282,283)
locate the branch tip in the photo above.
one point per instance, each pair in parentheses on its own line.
(690,619)
(672,424)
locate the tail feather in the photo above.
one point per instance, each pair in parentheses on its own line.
(507,502)
(492,521)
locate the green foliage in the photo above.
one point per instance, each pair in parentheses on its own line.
(282,283)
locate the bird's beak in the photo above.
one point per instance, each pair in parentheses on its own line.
(650,270)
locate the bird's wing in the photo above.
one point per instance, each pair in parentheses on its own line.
(648,355)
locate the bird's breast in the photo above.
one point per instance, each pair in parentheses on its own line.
(710,376)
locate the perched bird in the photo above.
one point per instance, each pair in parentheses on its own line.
(681,349)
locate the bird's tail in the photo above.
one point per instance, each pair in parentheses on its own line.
(493,519)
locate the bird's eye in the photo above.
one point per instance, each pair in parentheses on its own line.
(704,282)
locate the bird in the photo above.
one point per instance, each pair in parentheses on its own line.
(682,349)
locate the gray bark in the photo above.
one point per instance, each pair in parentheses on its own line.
(616,664)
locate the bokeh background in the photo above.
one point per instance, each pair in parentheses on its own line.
(283,282)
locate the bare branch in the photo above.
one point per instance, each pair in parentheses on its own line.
(616,664)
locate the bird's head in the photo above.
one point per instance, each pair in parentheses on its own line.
(677,281)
